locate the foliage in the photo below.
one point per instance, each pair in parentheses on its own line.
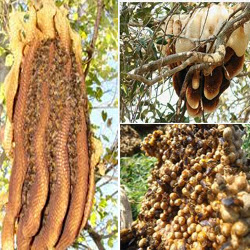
(102,93)
(134,173)
(140,43)
(246,141)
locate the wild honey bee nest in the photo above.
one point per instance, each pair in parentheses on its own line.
(47,133)
(199,192)
(205,87)
(50,134)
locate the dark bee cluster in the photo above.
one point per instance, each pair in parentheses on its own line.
(199,192)
(32,115)
(47,135)
(79,105)
(63,89)
(56,90)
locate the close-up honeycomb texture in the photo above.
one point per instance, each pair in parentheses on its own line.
(47,134)
(198,192)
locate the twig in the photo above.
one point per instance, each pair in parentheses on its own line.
(91,49)
(245,110)
(98,237)
(95,236)
(106,182)
(205,22)
(4,16)
(183,112)
(113,194)
(109,235)
(83,246)
(242,74)
(246,119)
(160,63)
(189,61)
(113,165)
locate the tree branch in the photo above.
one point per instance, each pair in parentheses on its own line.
(91,49)
(95,236)
(98,237)
(160,63)
(247,114)
(109,235)
(111,165)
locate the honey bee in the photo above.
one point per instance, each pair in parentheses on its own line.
(232,201)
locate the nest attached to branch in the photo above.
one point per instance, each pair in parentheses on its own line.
(47,132)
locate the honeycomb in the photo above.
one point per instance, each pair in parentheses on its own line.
(205,86)
(48,136)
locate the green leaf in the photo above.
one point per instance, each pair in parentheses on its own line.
(103,203)
(2,51)
(82,34)
(183,7)
(9,60)
(110,242)
(99,93)
(161,40)
(144,113)
(105,138)
(197,119)
(2,95)
(104,115)
(171,107)
(116,103)
(93,219)
(75,16)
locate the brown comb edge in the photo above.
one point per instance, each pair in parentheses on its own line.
(48,235)
(29,224)
(212,83)
(196,80)
(91,184)
(19,166)
(59,199)
(193,96)
(229,53)
(194,112)
(234,66)
(94,148)
(211,105)
(79,195)
(178,80)
(11,88)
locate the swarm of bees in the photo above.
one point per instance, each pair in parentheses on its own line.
(47,135)
(189,34)
(199,192)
